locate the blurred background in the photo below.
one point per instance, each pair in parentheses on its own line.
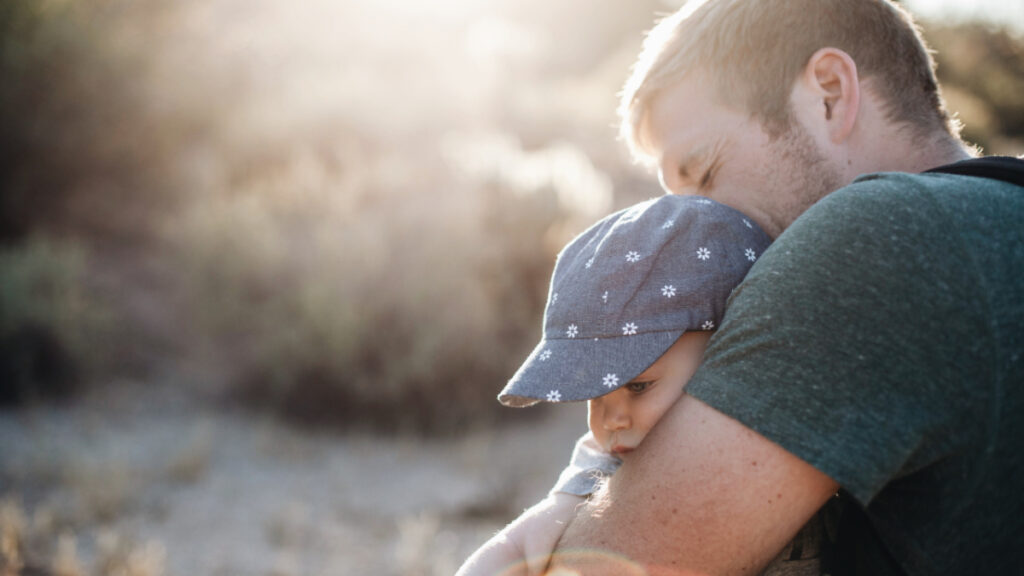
(264,265)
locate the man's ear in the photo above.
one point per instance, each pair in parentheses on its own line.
(831,77)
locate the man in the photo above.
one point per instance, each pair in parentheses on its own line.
(875,349)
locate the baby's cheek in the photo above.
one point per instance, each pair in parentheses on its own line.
(599,435)
(641,433)
(594,419)
(597,431)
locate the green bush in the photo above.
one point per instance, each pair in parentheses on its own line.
(50,324)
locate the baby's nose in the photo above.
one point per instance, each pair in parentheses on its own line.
(616,417)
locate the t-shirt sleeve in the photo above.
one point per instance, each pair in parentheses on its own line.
(838,345)
(588,466)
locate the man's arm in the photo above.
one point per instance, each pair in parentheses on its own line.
(701,495)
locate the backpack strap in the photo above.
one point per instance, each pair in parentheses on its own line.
(1005,168)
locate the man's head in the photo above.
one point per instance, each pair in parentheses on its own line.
(755,49)
(819,82)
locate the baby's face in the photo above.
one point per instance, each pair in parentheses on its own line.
(621,419)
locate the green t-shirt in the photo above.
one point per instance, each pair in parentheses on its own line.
(880,339)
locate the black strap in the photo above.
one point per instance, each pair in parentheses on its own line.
(1005,168)
(856,549)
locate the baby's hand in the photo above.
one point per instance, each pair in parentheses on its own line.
(524,547)
(545,527)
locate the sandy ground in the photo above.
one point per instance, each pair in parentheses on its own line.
(194,490)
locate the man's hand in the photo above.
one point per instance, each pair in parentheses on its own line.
(701,495)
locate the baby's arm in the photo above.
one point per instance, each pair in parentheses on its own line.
(523,547)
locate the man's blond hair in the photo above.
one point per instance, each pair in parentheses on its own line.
(754,50)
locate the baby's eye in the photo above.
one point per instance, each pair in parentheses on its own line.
(638,387)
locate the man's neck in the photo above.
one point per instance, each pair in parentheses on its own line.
(944,149)
(911,155)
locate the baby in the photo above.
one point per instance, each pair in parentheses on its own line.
(633,302)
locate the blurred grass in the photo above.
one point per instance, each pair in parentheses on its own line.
(30,543)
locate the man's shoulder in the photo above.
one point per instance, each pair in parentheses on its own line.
(869,209)
(898,204)
(881,193)
(904,232)
(932,189)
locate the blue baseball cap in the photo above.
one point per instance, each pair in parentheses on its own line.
(627,288)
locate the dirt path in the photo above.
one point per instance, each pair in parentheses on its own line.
(190,490)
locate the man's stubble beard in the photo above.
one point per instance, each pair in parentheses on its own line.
(804,175)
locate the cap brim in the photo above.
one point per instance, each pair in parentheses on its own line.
(575,369)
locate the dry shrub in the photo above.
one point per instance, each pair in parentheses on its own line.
(979,67)
(336,265)
(340,288)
